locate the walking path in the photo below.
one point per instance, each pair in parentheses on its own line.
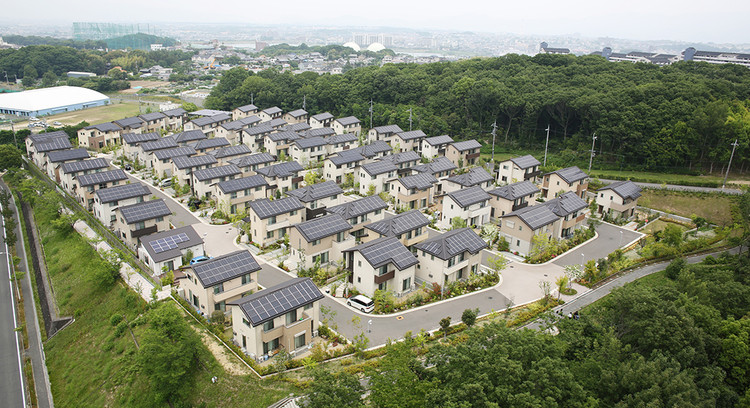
(677,187)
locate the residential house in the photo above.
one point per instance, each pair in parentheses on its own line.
(319,240)
(132,141)
(440,167)
(519,169)
(210,285)
(233,196)
(107,200)
(278,143)
(276,124)
(375,177)
(130,125)
(209,145)
(340,143)
(164,251)
(512,197)
(136,220)
(100,135)
(208,124)
(464,153)
(285,316)
(435,146)
(57,140)
(384,133)
(404,161)
(204,179)
(410,228)
(232,130)
(70,171)
(162,159)
(296,127)
(349,124)
(266,115)
(360,212)
(253,137)
(317,197)
(337,166)
(321,120)
(476,176)
(410,140)
(146,149)
(270,220)
(374,150)
(318,132)
(564,180)
(89,183)
(282,177)
(244,111)
(250,163)
(414,191)
(189,136)
(153,122)
(618,200)
(449,257)
(228,153)
(382,264)
(469,204)
(175,118)
(183,166)
(307,150)
(56,158)
(296,116)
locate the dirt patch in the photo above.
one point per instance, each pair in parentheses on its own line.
(143,84)
(228,361)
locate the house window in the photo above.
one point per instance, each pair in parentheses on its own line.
(245,322)
(269,234)
(220,306)
(377,212)
(291,317)
(518,242)
(294,212)
(308,306)
(316,242)
(340,236)
(218,288)
(247,278)
(382,286)
(268,325)
(233,195)
(406,284)
(382,270)
(159,219)
(299,341)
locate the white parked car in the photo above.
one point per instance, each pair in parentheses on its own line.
(362,303)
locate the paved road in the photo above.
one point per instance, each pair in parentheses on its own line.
(12,389)
(611,237)
(680,188)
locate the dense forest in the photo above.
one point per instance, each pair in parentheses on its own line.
(681,340)
(682,116)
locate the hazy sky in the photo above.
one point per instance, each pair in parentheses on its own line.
(688,20)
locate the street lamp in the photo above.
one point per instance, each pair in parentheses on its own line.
(369,326)
(582,262)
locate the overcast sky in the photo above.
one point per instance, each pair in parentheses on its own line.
(721,21)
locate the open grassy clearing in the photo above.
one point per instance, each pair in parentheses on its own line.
(714,207)
(651,177)
(659,225)
(98,114)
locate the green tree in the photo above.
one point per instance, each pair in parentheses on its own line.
(445,324)
(400,380)
(458,223)
(10,157)
(469,317)
(29,76)
(334,390)
(189,106)
(49,79)
(168,353)
(672,235)
(674,268)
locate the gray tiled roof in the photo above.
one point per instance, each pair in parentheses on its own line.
(625,189)
(247,108)
(297,113)
(185,162)
(413,134)
(172,113)
(399,224)
(468,196)
(322,116)
(452,243)
(525,162)
(253,159)
(346,137)
(266,208)
(316,191)
(210,143)
(133,138)
(190,136)
(278,300)
(189,238)
(535,216)
(565,204)
(57,156)
(349,120)
(325,131)
(133,122)
(230,151)
(467,145)
(388,129)
(515,190)
(216,172)
(147,210)
(309,142)
(346,157)
(358,207)
(102,177)
(276,123)
(83,165)
(438,165)
(284,169)
(46,137)
(261,129)
(571,174)
(285,136)
(105,127)
(403,157)
(439,140)
(226,267)
(152,116)
(272,110)
(163,143)
(209,120)
(177,151)
(322,227)
(385,250)
(473,177)
(123,192)
(378,167)
(296,127)
(421,181)
(231,186)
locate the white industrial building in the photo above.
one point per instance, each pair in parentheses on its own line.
(50,101)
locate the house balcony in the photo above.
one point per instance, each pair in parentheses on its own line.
(278,225)
(136,233)
(287,330)
(385,277)
(532,174)
(318,212)
(520,205)
(297,179)
(472,156)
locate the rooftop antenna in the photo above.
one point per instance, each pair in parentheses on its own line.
(371,110)
(494,135)
(591,158)
(410,120)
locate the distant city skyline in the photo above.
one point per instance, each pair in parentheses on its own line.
(723,22)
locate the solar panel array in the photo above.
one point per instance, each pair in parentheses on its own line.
(536,216)
(310,142)
(322,116)
(131,138)
(402,157)
(625,189)
(326,131)
(123,192)
(225,267)
(476,175)
(525,162)
(171,242)
(132,122)
(322,227)
(272,110)
(248,108)
(387,250)
(177,151)
(217,172)
(266,208)
(571,174)
(231,186)
(184,162)
(250,120)
(414,134)
(297,113)
(420,181)
(346,157)
(105,127)
(253,159)
(261,129)
(349,120)
(58,143)
(163,143)
(210,143)
(345,138)
(174,112)
(378,146)
(515,190)
(379,167)
(152,116)
(190,135)
(565,204)
(67,155)
(147,210)
(439,140)
(399,224)
(467,145)
(101,177)
(286,135)
(285,169)
(316,191)
(468,196)
(297,127)
(278,300)
(388,129)
(45,137)
(438,165)
(453,243)
(276,123)
(359,207)
(83,165)
(232,151)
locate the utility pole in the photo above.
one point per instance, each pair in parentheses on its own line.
(12,129)
(591,158)
(410,120)
(304,102)
(371,111)
(494,135)
(6,77)
(734,146)
(252,99)
(545,148)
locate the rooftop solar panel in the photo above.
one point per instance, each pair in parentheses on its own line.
(225,267)
(231,186)
(322,227)
(165,244)
(57,156)
(102,177)
(452,243)
(359,207)
(133,138)
(316,191)
(185,162)
(278,300)
(147,210)
(84,165)
(167,142)
(399,224)
(385,250)
(123,192)
(176,152)
(253,159)
(266,208)
(216,172)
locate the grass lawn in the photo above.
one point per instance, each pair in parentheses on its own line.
(649,177)
(713,207)
(98,114)
(659,225)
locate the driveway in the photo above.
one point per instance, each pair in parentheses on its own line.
(611,237)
